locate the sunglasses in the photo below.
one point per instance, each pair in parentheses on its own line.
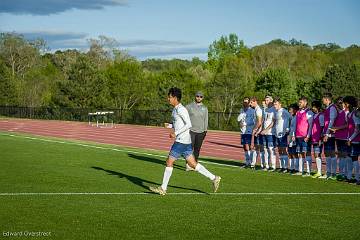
(199,96)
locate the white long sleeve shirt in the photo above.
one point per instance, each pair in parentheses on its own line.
(181,124)
(282,122)
(246,120)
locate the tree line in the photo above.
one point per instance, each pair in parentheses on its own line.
(106,77)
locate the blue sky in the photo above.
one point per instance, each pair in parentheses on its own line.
(181,28)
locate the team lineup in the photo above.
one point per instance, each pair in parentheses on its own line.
(298,134)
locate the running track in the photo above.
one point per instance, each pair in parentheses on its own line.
(225,145)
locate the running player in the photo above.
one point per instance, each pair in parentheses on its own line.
(182,145)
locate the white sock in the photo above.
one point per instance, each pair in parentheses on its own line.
(349,166)
(285,162)
(292,163)
(318,164)
(263,161)
(281,161)
(356,169)
(296,161)
(308,164)
(301,164)
(254,158)
(202,170)
(272,157)
(328,166)
(333,165)
(166,178)
(247,157)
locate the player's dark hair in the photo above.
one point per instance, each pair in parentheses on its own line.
(277,99)
(339,100)
(327,96)
(294,106)
(303,98)
(175,92)
(253,98)
(351,100)
(317,104)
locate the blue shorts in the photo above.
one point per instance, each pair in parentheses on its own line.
(180,149)
(342,146)
(282,141)
(355,150)
(246,139)
(329,146)
(317,148)
(302,146)
(292,150)
(268,141)
(258,140)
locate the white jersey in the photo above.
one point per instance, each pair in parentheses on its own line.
(246,120)
(258,114)
(282,122)
(181,124)
(269,117)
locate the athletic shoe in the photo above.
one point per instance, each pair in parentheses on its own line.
(323,177)
(158,190)
(317,175)
(216,183)
(340,178)
(265,169)
(188,168)
(306,175)
(332,178)
(271,170)
(358,183)
(285,171)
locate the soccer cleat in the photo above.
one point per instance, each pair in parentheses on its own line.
(306,175)
(317,175)
(158,190)
(323,177)
(298,174)
(216,183)
(332,178)
(188,168)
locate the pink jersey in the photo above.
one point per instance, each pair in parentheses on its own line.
(316,130)
(352,126)
(341,121)
(302,124)
(327,117)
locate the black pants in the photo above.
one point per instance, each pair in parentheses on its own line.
(196,141)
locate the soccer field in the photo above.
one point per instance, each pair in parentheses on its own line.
(74,190)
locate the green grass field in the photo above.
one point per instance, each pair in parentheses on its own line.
(36,166)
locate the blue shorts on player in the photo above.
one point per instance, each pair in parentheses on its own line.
(302,146)
(268,141)
(246,139)
(282,141)
(317,147)
(342,146)
(329,146)
(180,149)
(355,149)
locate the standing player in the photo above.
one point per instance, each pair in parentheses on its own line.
(304,118)
(293,108)
(354,138)
(282,124)
(246,120)
(316,135)
(268,134)
(340,130)
(198,113)
(182,145)
(256,139)
(330,114)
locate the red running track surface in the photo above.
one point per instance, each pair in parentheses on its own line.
(225,145)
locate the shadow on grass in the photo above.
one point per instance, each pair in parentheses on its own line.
(225,144)
(153,160)
(140,181)
(225,162)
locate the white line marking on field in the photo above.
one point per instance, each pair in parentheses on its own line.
(107,148)
(179,193)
